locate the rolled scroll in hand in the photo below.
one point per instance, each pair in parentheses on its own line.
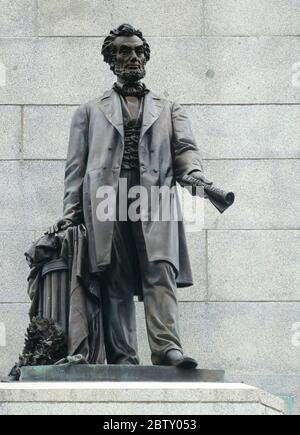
(221,199)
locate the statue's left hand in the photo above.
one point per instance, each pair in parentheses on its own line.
(60,225)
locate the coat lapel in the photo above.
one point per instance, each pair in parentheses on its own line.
(153,106)
(110,104)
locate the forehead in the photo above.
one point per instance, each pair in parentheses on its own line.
(130,41)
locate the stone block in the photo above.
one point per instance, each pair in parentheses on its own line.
(53,70)
(14,320)
(46,131)
(34,198)
(245,71)
(137,399)
(10,138)
(266,198)
(195,70)
(74,17)
(98,17)
(242,338)
(138,409)
(17,18)
(13,267)
(254,265)
(161,18)
(246,132)
(284,386)
(252,17)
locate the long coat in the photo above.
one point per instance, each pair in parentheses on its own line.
(167,149)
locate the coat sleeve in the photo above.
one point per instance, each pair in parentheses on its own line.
(76,166)
(186,154)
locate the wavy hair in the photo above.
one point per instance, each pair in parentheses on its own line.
(108,49)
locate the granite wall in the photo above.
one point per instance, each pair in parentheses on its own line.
(235,65)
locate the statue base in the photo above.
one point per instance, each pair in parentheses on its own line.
(117,373)
(136,398)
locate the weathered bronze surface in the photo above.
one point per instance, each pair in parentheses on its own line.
(117,373)
(86,271)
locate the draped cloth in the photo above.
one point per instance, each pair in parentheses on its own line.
(61,288)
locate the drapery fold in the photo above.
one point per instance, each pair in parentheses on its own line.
(61,288)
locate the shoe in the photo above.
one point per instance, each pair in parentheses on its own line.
(176,359)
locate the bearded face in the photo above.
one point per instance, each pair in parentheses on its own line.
(130,59)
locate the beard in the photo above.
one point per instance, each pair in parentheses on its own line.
(128,76)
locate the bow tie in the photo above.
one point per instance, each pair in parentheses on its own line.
(131,90)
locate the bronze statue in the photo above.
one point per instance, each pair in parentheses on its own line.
(101,263)
(131,133)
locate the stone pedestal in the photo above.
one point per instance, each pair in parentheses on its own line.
(136,398)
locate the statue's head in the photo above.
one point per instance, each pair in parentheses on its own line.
(127,52)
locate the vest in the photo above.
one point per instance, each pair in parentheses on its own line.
(132,109)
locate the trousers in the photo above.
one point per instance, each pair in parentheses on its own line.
(158,286)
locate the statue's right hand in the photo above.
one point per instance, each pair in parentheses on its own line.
(60,225)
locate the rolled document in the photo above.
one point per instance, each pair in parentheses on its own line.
(221,199)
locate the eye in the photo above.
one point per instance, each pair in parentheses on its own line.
(140,51)
(124,50)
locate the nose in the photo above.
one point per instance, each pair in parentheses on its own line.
(133,57)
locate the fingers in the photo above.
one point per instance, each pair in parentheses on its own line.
(50,231)
(205,180)
(65,225)
(53,229)
(58,226)
(200,176)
